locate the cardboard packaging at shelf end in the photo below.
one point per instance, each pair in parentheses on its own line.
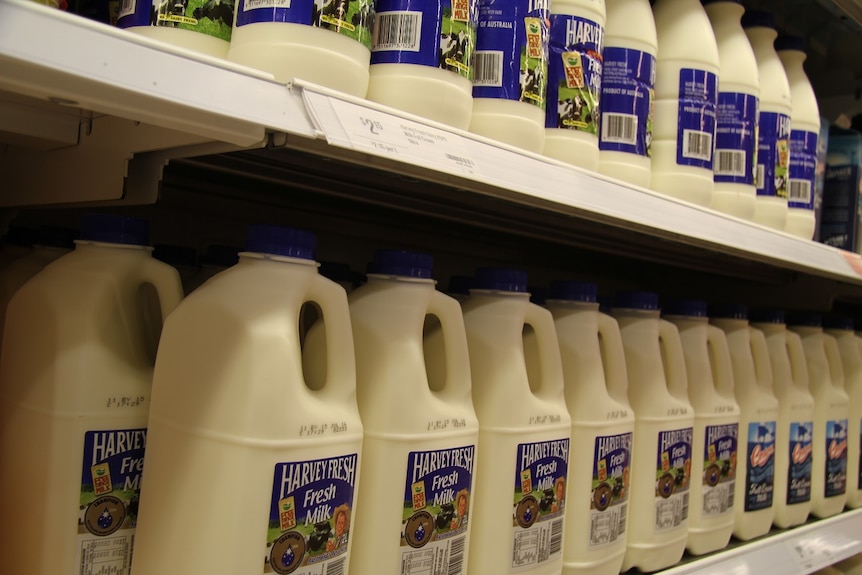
(839,215)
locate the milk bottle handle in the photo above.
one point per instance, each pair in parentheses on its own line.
(340,383)
(833,357)
(674,368)
(798,367)
(722,367)
(166,281)
(457,387)
(760,353)
(613,354)
(550,365)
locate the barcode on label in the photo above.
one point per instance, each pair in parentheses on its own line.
(683,515)
(336,567)
(127,7)
(488,67)
(456,556)
(759,175)
(619,128)
(397,31)
(624,508)
(730,495)
(730,163)
(800,191)
(696,145)
(556,536)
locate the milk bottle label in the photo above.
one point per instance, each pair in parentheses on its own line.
(735,138)
(441,34)
(760,478)
(673,476)
(799,471)
(836,457)
(436,511)
(773,154)
(352,18)
(628,92)
(511,59)
(719,468)
(574,74)
(540,500)
(610,488)
(309,516)
(110,487)
(803,165)
(212,17)
(698,95)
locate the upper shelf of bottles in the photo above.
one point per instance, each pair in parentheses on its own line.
(62,64)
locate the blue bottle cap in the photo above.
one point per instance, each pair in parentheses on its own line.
(460,285)
(807,319)
(573,291)
(729,311)
(175,255)
(281,241)
(402,263)
(758,19)
(501,279)
(636,300)
(113,229)
(685,307)
(767,316)
(790,42)
(833,321)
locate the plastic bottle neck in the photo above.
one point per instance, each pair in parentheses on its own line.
(792,59)
(725,14)
(762,40)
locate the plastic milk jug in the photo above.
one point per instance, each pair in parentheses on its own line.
(524,428)
(804,132)
(773,144)
(851,362)
(205,28)
(686,96)
(752,377)
(511,72)
(736,114)
(795,426)
(664,421)
(831,414)
(235,427)
(419,452)
(628,90)
(422,58)
(575,82)
(596,388)
(75,380)
(716,426)
(327,42)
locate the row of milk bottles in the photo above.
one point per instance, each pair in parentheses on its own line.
(401,431)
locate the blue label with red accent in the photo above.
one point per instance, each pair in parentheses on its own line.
(799,470)
(628,91)
(760,478)
(610,488)
(773,155)
(735,138)
(719,468)
(673,478)
(803,166)
(836,458)
(698,96)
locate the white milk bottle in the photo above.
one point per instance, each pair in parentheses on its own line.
(205,28)
(524,428)
(418,464)
(327,42)
(841,329)
(575,82)
(795,425)
(831,412)
(752,376)
(235,426)
(596,388)
(628,89)
(422,58)
(773,143)
(716,426)
(804,132)
(511,72)
(664,420)
(686,91)
(78,351)
(736,114)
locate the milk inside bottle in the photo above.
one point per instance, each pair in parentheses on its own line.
(596,390)
(795,426)
(664,420)
(419,452)
(524,428)
(78,351)
(716,426)
(236,426)
(752,377)
(205,28)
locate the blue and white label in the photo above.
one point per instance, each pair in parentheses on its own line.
(511,60)
(803,166)
(610,488)
(574,74)
(698,96)
(439,33)
(351,18)
(673,478)
(309,518)
(760,476)
(836,458)
(799,470)
(628,92)
(541,475)
(719,468)
(735,138)
(773,154)
(211,17)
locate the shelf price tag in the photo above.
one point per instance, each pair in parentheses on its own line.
(812,552)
